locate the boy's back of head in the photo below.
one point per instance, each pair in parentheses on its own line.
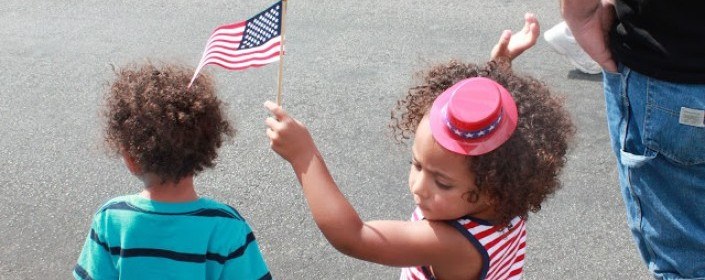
(169,130)
(169,133)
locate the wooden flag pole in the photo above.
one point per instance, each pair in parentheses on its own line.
(281,55)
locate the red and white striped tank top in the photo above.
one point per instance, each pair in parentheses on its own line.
(502,249)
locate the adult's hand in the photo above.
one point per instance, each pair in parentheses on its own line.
(590,21)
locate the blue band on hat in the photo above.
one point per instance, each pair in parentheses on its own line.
(471,134)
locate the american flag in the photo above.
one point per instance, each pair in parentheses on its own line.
(251,43)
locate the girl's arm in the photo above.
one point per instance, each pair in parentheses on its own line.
(395,243)
(510,46)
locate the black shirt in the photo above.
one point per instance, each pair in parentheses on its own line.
(664,39)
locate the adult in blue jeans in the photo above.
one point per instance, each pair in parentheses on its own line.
(653,56)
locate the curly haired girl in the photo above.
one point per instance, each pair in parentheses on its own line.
(488,148)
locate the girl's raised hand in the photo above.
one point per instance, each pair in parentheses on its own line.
(288,137)
(510,46)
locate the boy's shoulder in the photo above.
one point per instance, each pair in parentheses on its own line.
(220,206)
(115,201)
(204,206)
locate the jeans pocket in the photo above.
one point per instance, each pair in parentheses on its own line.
(613,84)
(616,107)
(663,133)
(612,79)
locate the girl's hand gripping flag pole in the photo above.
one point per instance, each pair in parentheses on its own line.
(254,42)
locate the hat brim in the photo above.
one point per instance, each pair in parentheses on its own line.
(472,147)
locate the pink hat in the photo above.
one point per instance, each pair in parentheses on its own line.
(473,117)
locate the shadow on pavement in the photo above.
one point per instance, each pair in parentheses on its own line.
(577,75)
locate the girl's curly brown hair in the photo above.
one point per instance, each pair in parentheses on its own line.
(521,173)
(170,130)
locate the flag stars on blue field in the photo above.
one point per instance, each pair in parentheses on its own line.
(262,27)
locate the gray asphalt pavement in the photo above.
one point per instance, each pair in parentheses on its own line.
(347,63)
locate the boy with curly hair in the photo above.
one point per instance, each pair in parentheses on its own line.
(167,134)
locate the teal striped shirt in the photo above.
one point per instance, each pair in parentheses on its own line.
(133,237)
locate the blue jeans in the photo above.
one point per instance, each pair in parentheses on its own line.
(661,169)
